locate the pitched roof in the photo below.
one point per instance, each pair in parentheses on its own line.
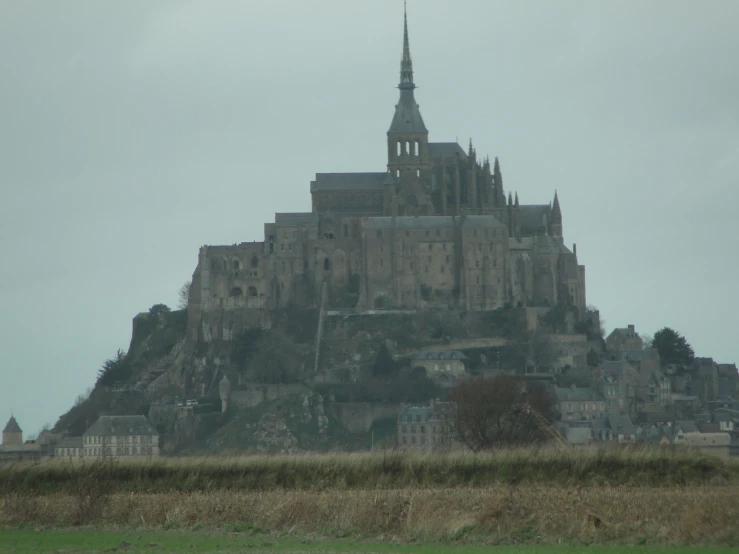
(621,423)
(407,118)
(112,426)
(300,219)
(70,442)
(532,216)
(417,414)
(579,394)
(348,181)
(446,150)
(12,426)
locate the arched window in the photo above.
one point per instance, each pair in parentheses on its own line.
(417,148)
(254,262)
(326,264)
(236,291)
(407,148)
(399,148)
(251,291)
(236,265)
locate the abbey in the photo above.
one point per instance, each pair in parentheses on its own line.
(434,229)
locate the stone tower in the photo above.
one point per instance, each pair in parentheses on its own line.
(407,138)
(12,434)
(224,388)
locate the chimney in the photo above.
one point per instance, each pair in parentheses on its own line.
(574,249)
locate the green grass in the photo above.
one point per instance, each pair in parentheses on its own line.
(88,541)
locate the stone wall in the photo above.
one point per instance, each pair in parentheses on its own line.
(254,394)
(358,417)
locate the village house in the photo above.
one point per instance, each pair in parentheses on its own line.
(575,404)
(445,367)
(121,436)
(625,338)
(617,382)
(426,428)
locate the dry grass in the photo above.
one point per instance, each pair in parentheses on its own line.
(536,513)
(611,466)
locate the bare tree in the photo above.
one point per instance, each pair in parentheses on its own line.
(647,340)
(490,412)
(184,295)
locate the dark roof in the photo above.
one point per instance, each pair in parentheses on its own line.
(407,118)
(687,426)
(580,394)
(621,424)
(531,215)
(70,442)
(348,181)
(431,222)
(446,150)
(115,426)
(439,355)
(305,219)
(640,355)
(419,414)
(12,426)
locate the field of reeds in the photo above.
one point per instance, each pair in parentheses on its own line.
(390,470)
(631,496)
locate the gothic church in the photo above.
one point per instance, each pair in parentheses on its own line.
(434,230)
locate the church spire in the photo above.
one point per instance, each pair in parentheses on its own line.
(406,64)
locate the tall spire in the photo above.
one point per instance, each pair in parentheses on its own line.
(406,64)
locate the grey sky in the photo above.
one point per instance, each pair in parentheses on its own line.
(131,133)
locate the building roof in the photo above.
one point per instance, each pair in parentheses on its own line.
(446,150)
(621,424)
(580,394)
(115,426)
(687,426)
(579,435)
(12,426)
(407,117)
(432,222)
(641,355)
(348,181)
(532,216)
(70,442)
(439,355)
(415,414)
(304,219)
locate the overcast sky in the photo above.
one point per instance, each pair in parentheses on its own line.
(133,132)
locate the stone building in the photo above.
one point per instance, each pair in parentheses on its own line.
(427,428)
(121,437)
(12,433)
(434,228)
(579,404)
(625,338)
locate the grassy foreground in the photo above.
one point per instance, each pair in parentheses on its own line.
(624,466)
(89,541)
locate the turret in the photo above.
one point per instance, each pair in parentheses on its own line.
(12,434)
(556,218)
(498,184)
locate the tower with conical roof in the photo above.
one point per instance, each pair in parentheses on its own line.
(407,138)
(12,434)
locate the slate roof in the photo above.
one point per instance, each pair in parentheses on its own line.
(306,219)
(531,215)
(687,426)
(446,150)
(116,426)
(621,424)
(407,118)
(439,355)
(641,355)
(431,222)
(71,442)
(417,414)
(580,394)
(348,181)
(12,426)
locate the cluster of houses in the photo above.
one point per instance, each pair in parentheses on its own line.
(629,397)
(108,437)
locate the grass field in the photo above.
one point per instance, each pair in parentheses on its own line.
(89,541)
(603,497)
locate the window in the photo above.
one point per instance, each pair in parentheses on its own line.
(290,246)
(405,440)
(418,172)
(326,264)
(423,428)
(282,246)
(413,428)
(413,439)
